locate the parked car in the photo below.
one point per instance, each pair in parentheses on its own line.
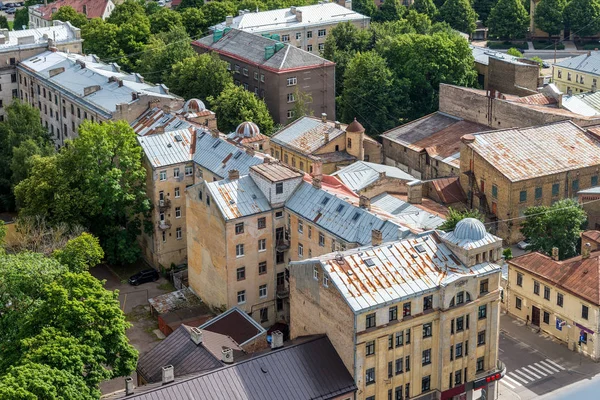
(524,244)
(11,10)
(147,275)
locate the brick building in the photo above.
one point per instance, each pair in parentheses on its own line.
(40,15)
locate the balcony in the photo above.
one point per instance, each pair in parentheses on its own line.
(164,225)
(282,244)
(164,204)
(283,291)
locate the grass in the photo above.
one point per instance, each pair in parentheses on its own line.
(547,45)
(507,45)
(11,25)
(167,287)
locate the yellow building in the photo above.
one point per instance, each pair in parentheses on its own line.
(319,146)
(410,318)
(559,297)
(577,74)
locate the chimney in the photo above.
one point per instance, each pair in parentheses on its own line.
(594,87)
(364,202)
(348,4)
(228,20)
(415,192)
(276,340)
(214,133)
(316,182)
(587,248)
(317,168)
(234,174)
(338,125)
(555,253)
(326,137)
(589,53)
(250,151)
(227,355)
(128,386)
(196,335)
(323,117)
(293,10)
(376,237)
(560,99)
(298,15)
(168,374)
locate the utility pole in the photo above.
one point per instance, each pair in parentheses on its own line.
(555,44)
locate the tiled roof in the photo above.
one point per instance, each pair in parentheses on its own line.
(361,174)
(238,198)
(306,134)
(251,48)
(276,172)
(167,148)
(526,153)
(371,276)
(236,324)
(589,62)
(61,32)
(409,214)
(580,277)
(94,8)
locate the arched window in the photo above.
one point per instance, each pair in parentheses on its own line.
(460,298)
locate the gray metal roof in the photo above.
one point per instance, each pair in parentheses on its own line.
(482,56)
(361,174)
(60,33)
(167,148)
(592,190)
(407,213)
(156,118)
(588,62)
(309,370)
(238,198)
(220,156)
(306,134)
(237,324)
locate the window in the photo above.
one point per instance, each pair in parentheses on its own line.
(262,77)
(264,314)
(457,377)
(426,384)
(285,38)
(309,34)
(262,267)
(189,170)
(594,180)
(427,303)
(292,81)
(495,191)
(483,286)
(581,79)
(480,338)
(300,227)
(245,86)
(315,273)
(575,185)
(164,237)
(390,342)
(407,336)
(480,364)
(568,76)
(399,365)
(458,353)
(322,32)
(518,303)
(370,377)
(309,47)
(546,293)
(241,297)
(536,288)
(406,309)
(519,279)
(262,291)
(370,348)
(538,193)
(262,223)
(555,189)
(245,71)
(177,212)
(559,299)
(460,297)
(278,214)
(426,358)
(370,321)
(559,73)
(163,175)
(300,250)
(584,312)
(523,196)
(427,330)
(279,188)
(239,228)
(325,280)
(583,338)
(239,250)
(289,115)
(291,97)
(482,312)
(398,393)
(321,46)
(298,35)
(546,317)
(460,324)
(321,239)
(178,234)
(13,78)
(393,313)
(262,244)
(241,273)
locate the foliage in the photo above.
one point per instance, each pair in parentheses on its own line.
(549,16)
(390,10)
(505,45)
(201,76)
(364,7)
(454,216)
(80,253)
(194,22)
(36,235)
(235,105)
(100,38)
(165,20)
(4,22)
(190,4)
(426,7)
(483,8)
(507,253)
(21,19)
(68,13)
(514,52)
(508,20)
(558,225)
(2,233)
(583,17)
(459,14)
(216,11)
(302,104)
(538,60)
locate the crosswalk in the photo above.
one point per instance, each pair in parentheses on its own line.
(526,375)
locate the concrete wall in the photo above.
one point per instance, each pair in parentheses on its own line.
(408,160)
(512,78)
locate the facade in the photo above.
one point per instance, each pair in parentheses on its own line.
(562,298)
(506,171)
(316,145)
(590,201)
(16,46)
(304,27)
(70,88)
(40,15)
(274,71)
(578,74)
(415,318)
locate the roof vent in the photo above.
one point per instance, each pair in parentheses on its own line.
(169,145)
(420,248)
(196,335)
(128,386)
(276,340)
(178,138)
(414,256)
(350,272)
(369,262)
(264,369)
(227,355)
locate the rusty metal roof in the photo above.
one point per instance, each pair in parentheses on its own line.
(538,98)
(306,134)
(237,198)
(394,271)
(449,190)
(167,148)
(527,153)
(276,172)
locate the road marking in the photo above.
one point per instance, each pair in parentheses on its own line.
(517,377)
(536,370)
(548,370)
(555,364)
(509,379)
(545,364)
(524,375)
(530,372)
(506,383)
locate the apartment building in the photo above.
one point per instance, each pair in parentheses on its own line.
(274,71)
(16,46)
(40,15)
(310,143)
(506,171)
(416,318)
(70,88)
(304,27)
(578,74)
(559,297)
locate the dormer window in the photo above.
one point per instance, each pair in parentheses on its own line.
(279,188)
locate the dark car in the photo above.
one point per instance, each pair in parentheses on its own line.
(11,11)
(147,275)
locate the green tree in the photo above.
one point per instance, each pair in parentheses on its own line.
(460,15)
(508,20)
(559,225)
(194,22)
(583,17)
(302,104)
(514,52)
(539,61)
(68,13)
(235,105)
(132,32)
(483,8)
(201,76)
(216,11)
(100,38)
(81,253)
(364,7)
(390,10)
(21,19)
(126,12)
(4,22)
(507,254)
(426,7)
(549,16)
(190,4)
(421,23)
(2,234)
(165,20)
(22,157)
(454,216)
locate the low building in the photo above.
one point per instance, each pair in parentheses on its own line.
(312,145)
(40,15)
(562,298)
(238,325)
(590,201)
(274,71)
(416,318)
(578,74)
(506,171)
(370,179)
(304,27)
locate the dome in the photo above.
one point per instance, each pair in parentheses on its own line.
(247,129)
(355,127)
(470,229)
(194,105)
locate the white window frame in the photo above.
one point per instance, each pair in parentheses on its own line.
(177,212)
(177,192)
(325,281)
(293,81)
(290,114)
(309,47)
(322,33)
(285,38)
(300,250)
(262,245)
(291,98)
(176,172)
(298,35)
(300,227)
(242,294)
(308,34)
(163,175)
(239,250)
(189,170)
(321,46)
(262,291)
(178,233)
(316,273)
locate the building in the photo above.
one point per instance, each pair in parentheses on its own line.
(274,71)
(310,144)
(562,298)
(304,27)
(590,201)
(370,179)
(578,74)
(70,88)
(40,15)
(248,135)
(506,171)
(16,46)
(416,318)
(163,119)
(428,147)
(239,326)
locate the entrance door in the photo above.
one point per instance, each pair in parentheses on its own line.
(535,316)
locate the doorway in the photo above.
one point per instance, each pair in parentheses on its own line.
(535,316)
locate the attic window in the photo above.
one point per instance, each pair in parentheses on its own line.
(237,155)
(420,248)
(178,138)
(214,146)
(340,208)
(355,216)
(369,262)
(202,135)
(178,124)
(325,200)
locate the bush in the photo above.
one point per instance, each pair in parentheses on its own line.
(587,44)
(547,45)
(507,45)
(514,52)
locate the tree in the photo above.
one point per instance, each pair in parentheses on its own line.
(508,20)
(514,52)
(583,17)
(81,253)
(364,7)
(235,105)
(483,8)
(559,225)
(459,14)
(21,19)
(185,4)
(165,20)
(4,22)
(200,76)
(549,16)
(100,38)
(426,7)
(36,235)
(302,104)
(390,10)
(194,22)
(454,216)
(539,61)
(2,235)
(133,32)
(216,11)
(68,13)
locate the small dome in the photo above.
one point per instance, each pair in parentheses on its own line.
(247,129)
(470,229)
(194,105)
(355,127)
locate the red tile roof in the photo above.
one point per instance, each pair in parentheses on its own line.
(95,8)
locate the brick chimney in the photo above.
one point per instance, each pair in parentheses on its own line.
(364,202)
(415,192)
(316,182)
(585,252)
(376,237)
(323,117)
(276,340)
(234,174)
(555,253)
(193,144)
